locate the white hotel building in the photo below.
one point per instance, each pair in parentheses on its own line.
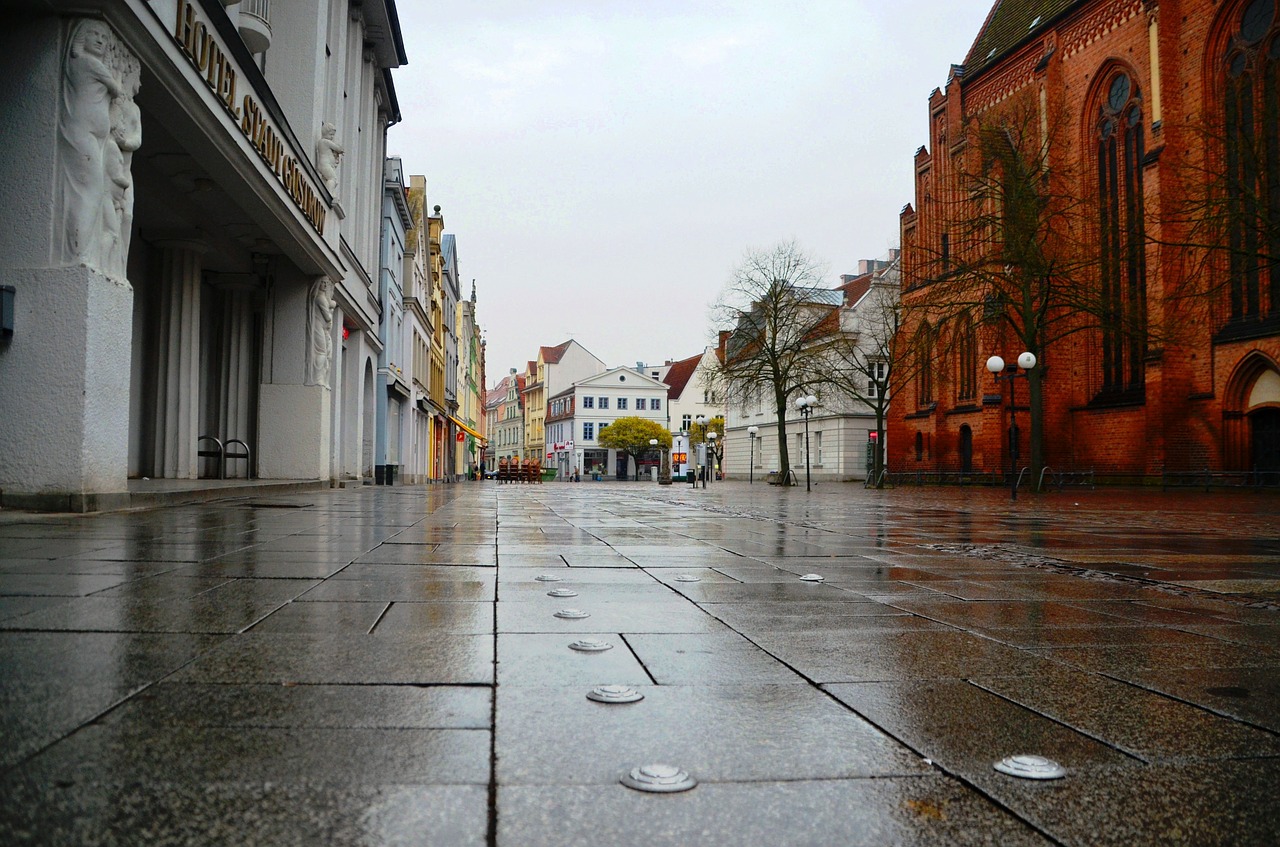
(192,198)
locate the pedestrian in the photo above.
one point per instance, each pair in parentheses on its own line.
(482,477)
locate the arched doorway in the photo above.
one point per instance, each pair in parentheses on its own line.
(1251,404)
(1264,444)
(966,450)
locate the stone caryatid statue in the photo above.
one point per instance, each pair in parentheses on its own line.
(328,155)
(99,128)
(320,306)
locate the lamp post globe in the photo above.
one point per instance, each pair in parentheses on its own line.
(995,364)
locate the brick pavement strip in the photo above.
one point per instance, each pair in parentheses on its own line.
(380,665)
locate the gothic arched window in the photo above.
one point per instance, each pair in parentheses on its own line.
(924,365)
(1251,111)
(967,378)
(1119,141)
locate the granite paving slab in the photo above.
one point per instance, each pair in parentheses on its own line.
(663,615)
(58,584)
(1009,614)
(794,591)
(302,706)
(1122,661)
(202,613)
(735,733)
(851,812)
(444,616)
(336,617)
(409,590)
(541,659)
(899,655)
(719,658)
(309,755)
(243,814)
(1247,694)
(345,659)
(1206,804)
(1149,726)
(965,729)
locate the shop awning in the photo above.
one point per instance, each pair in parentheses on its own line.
(468,429)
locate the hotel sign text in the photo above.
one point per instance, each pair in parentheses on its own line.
(208,57)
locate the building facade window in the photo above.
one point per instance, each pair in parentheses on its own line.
(1251,113)
(588,431)
(1119,152)
(924,365)
(588,402)
(655,404)
(640,404)
(879,372)
(967,378)
(604,402)
(622,404)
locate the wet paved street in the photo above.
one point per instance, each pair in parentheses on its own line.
(382,666)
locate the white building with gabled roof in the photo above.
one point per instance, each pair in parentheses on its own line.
(576,416)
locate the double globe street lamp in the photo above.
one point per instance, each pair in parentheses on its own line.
(996,365)
(805,405)
(752,432)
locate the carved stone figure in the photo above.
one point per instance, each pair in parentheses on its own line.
(328,155)
(125,139)
(320,332)
(99,128)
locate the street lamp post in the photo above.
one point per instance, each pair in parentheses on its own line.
(701,421)
(996,365)
(805,405)
(711,454)
(752,431)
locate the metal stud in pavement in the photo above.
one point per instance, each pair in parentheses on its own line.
(562,592)
(590,645)
(661,779)
(685,577)
(1031,767)
(572,614)
(614,694)
(813,577)
(546,577)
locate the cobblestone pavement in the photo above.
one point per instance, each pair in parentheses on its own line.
(383,666)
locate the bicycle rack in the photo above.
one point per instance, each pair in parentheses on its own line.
(243,453)
(219,454)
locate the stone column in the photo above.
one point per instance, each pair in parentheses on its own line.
(69,130)
(176,416)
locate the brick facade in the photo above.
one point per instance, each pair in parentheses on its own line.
(1208,394)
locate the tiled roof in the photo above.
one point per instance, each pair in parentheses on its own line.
(552,355)
(679,374)
(855,288)
(1008,26)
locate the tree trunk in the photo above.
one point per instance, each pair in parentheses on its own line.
(877,452)
(784,458)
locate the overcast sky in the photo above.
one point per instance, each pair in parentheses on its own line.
(605,165)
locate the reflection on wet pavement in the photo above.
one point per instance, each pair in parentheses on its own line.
(382,665)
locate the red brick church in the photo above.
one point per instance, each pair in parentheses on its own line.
(1157,124)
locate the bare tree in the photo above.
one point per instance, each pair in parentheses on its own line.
(774,308)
